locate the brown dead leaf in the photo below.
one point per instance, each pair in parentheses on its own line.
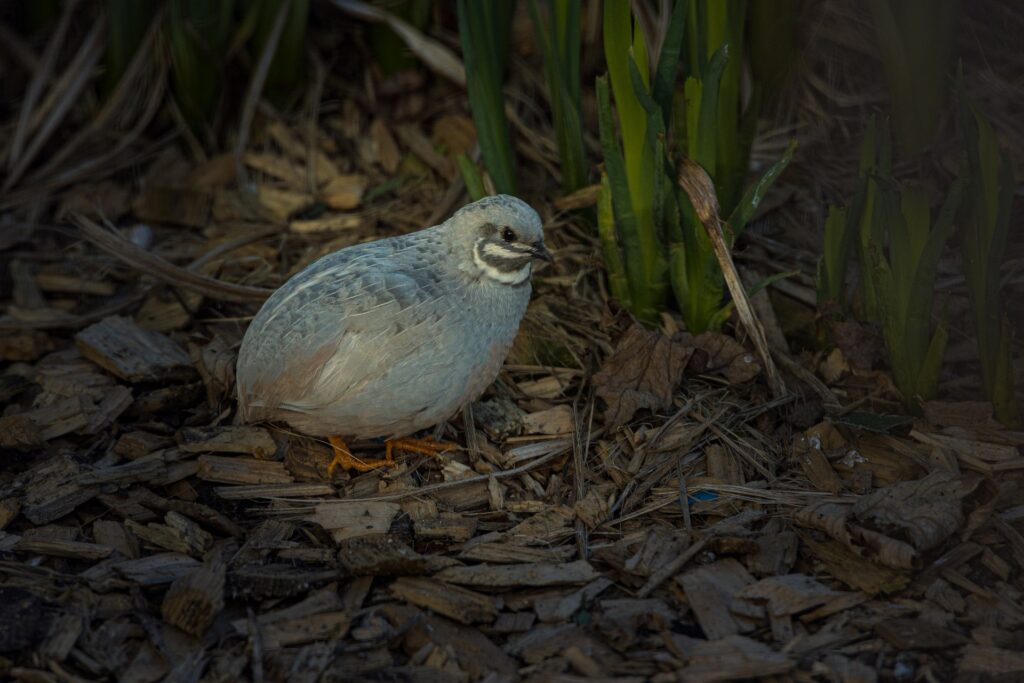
(860,344)
(896,523)
(557,420)
(728,659)
(971,414)
(642,373)
(848,566)
(811,450)
(924,512)
(456,133)
(385,149)
(345,191)
(593,508)
(719,353)
(834,367)
(723,465)
(787,594)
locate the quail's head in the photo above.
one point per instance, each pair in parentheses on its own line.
(501,237)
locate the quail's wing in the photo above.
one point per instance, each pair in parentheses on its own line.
(337,328)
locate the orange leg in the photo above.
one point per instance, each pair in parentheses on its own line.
(343,457)
(422,446)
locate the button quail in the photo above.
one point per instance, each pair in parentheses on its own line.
(387,338)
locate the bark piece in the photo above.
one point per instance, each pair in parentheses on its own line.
(127,351)
(351,519)
(507,553)
(732,658)
(379,555)
(710,590)
(242,470)
(73,550)
(460,604)
(917,634)
(255,441)
(519,575)
(194,601)
(53,491)
(137,443)
(157,569)
(454,527)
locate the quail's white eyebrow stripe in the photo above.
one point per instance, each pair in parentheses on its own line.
(501,250)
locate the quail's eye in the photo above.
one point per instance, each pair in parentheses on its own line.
(508,235)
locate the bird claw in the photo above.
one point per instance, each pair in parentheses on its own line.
(343,456)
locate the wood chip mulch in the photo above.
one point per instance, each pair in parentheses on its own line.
(626,505)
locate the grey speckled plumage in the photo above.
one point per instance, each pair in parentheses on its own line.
(386,338)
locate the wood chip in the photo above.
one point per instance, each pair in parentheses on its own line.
(710,590)
(992,660)
(789,594)
(137,443)
(256,491)
(352,519)
(509,576)
(74,550)
(730,659)
(453,527)
(460,604)
(917,634)
(506,553)
(194,600)
(156,569)
(379,555)
(226,470)
(135,355)
(255,441)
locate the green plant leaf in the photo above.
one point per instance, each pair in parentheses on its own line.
(561,42)
(722,315)
(747,206)
(985,217)
(668,60)
(832,264)
(484,32)
(617,279)
(622,206)
(704,152)
(928,377)
(471,176)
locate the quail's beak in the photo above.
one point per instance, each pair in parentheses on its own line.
(539,251)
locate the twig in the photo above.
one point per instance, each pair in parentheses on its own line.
(65,94)
(431,52)
(684,496)
(442,486)
(256,636)
(140,259)
(698,186)
(36,86)
(673,567)
(252,96)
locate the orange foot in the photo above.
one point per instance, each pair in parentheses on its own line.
(422,446)
(343,456)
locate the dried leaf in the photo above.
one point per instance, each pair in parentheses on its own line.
(861,344)
(642,373)
(723,354)
(896,523)
(924,513)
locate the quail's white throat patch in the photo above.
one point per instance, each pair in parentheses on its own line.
(488,257)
